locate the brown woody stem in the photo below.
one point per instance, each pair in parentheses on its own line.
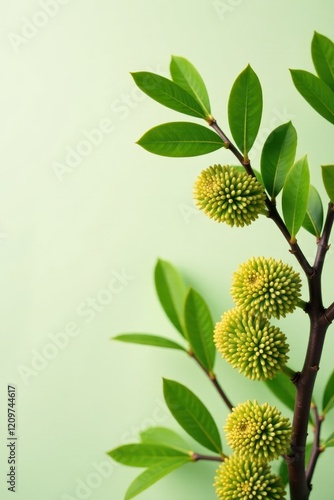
(320,319)
(214,381)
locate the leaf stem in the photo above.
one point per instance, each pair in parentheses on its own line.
(197,456)
(214,381)
(229,145)
(289,372)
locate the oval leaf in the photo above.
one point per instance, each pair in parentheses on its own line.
(323,58)
(147,339)
(277,157)
(168,93)
(167,437)
(171,291)
(245,109)
(314,214)
(283,389)
(315,92)
(186,76)
(328,398)
(283,471)
(295,196)
(180,139)
(328,179)
(199,326)
(192,415)
(144,455)
(329,443)
(153,474)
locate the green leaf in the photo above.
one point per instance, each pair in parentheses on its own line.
(283,389)
(323,58)
(144,455)
(186,76)
(192,415)
(153,474)
(315,92)
(295,196)
(328,397)
(168,93)
(277,157)
(147,339)
(245,109)
(199,326)
(171,291)
(308,452)
(283,471)
(180,139)
(314,214)
(329,443)
(328,180)
(167,437)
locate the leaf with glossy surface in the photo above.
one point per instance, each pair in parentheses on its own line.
(295,196)
(171,291)
(148,339)
(283,471)
(180,139)
(165,436)
(315,92)
(199,326)
(329,443)
(308,452)
(186,76)
(328,180)
(168,93)
(323,58)
(245,109)
(314,214)
(283,389)
(192,415)
(144,455)
(277,157)
(328,397)
(153,474)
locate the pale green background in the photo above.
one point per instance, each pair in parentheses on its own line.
(120,209)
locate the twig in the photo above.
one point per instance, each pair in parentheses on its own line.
(316,449)
(214,380)
(273,213)
(197,456)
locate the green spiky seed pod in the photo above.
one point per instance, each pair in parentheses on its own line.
(266,286)
(228,195)
(240,479)
(251,344)
(258,432)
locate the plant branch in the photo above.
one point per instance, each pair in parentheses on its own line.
(273,213)
(323,245)
(316,449)
(217,458)
(229,145)
(299,486)
(214,381)
(319,321)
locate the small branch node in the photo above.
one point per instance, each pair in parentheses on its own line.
(326,318)
(296,377)
(315,368)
